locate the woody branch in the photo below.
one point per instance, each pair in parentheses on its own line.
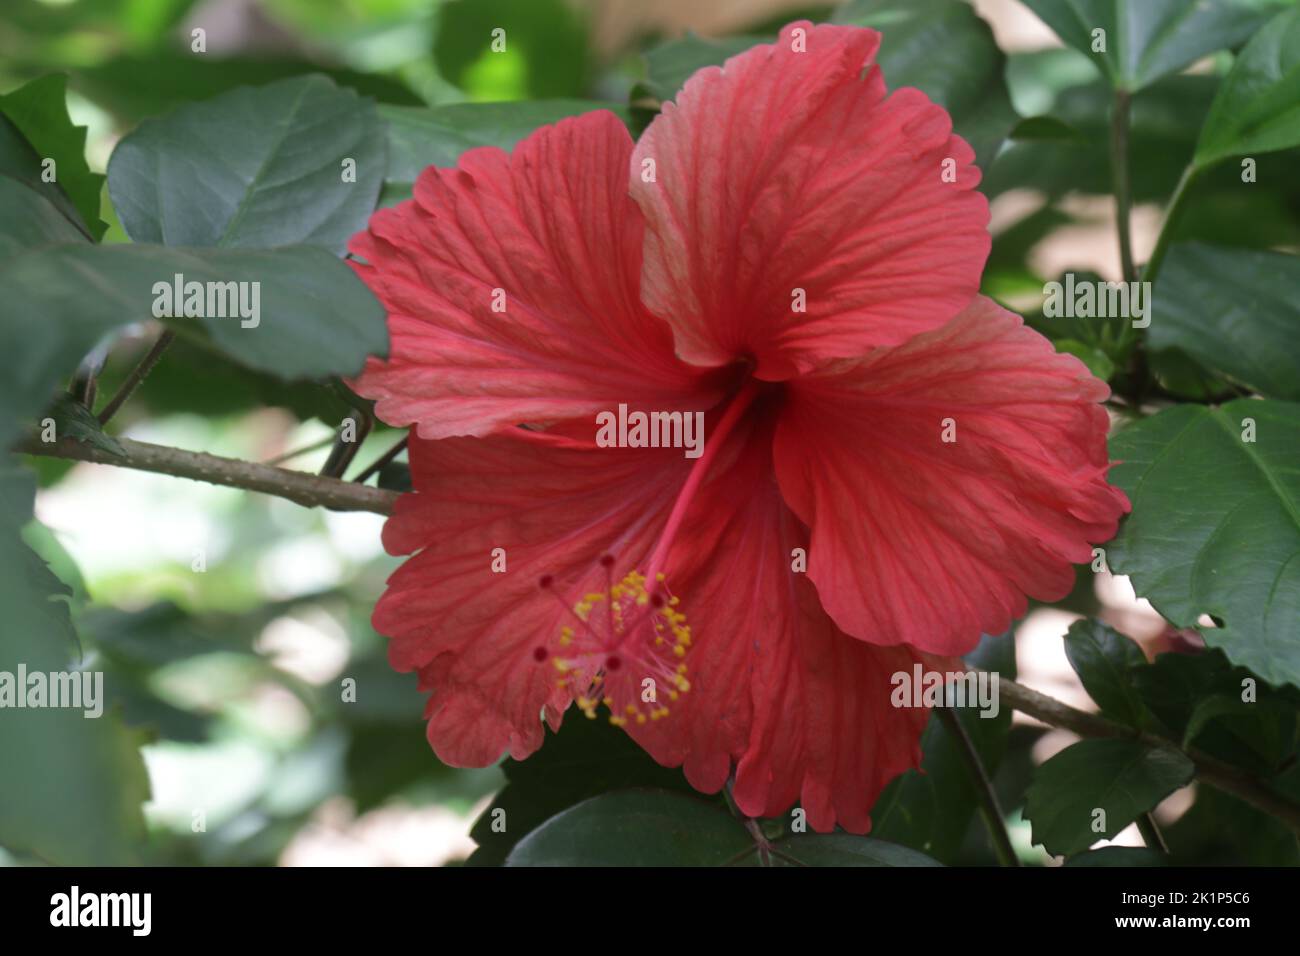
(308,490)
(338,495)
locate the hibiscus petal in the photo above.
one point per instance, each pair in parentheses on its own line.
(829,714)
(550,235)
(929,543)
(796,708)
(788,170)
(555,507)
(799,709)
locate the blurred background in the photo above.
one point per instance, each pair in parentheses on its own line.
(230,621)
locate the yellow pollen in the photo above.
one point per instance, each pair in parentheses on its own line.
(624,650)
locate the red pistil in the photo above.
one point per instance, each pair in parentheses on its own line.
(739,403)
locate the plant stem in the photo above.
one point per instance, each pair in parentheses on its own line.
(1119,130)
(1152,268)
(308,490)
(1138,370)
(1151,834)
(338,495)
(299,452)
(137,375)
(381,461)
(344,450)
(987,798)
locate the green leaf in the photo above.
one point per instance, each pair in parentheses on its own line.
(944,49)
(1173,685)
(1098,362)
(73,785)
(1147,39)
(1093,340)
(1165,122)
(257,167)
(39,112)
(938,46)
(1036,79)
(157,81)
(1260,734)
(198,381)
(1183,377)
(665,828)
(1121,777)
(635,828)
(316,316)
(419,137)
(544,55)
(74,420)
(1046,129)
(669,65)
(1258,106)
(1105,660)
(1215,527)
(1221,710)
(584,759)
(1235,311)
(28,220)
(1220,209)
(164,633)
(1118,856)
(842,849)
(1220,830)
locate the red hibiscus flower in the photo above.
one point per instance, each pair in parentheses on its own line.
(795,254)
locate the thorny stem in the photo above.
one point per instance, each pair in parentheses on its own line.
(137,376)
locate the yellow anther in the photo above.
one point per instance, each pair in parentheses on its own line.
(645,632)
